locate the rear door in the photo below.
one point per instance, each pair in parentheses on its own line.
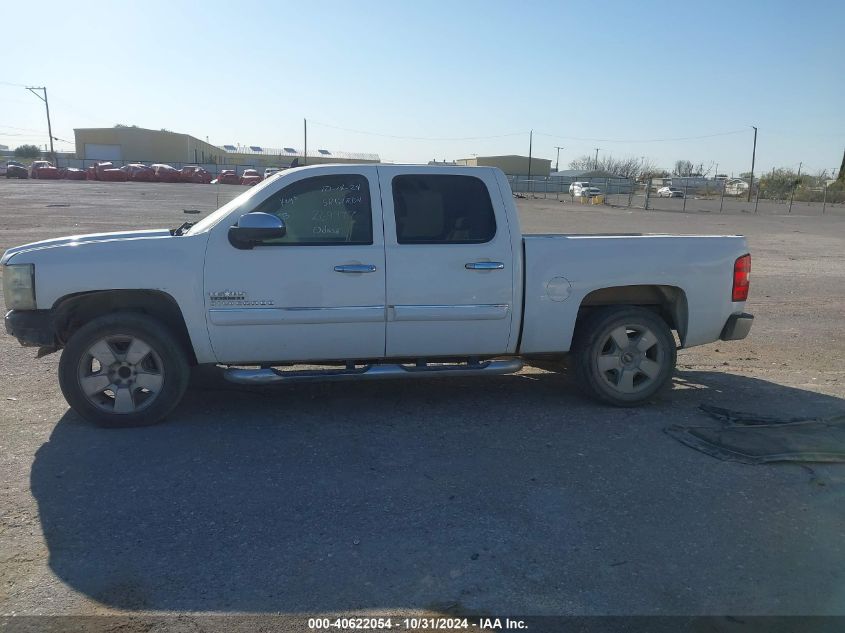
(449,260)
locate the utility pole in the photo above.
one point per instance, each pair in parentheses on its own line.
(530,150)
(305,149)
(32,89)
(753,156)
(824,200)
(557,162)
(596,163)
(715,180)
(795,186)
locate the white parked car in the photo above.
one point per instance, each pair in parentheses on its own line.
(583,189)
(270,171)
(670,192)
(372,271)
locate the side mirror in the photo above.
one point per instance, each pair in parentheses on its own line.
(254,228)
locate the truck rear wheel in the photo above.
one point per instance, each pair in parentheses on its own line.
(624,355)
(123,369)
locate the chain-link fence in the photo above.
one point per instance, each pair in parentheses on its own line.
(690,195)
(213,168)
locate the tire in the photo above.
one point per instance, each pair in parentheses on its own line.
(123,369)
(625,368)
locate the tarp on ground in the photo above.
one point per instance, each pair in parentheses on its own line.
(750,438)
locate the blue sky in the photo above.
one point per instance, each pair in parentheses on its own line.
(624,72)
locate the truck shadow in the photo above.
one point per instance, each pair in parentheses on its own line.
(487,493)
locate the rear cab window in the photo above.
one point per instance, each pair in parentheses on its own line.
(442,209)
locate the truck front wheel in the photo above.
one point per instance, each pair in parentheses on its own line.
(123,369)
(623,355)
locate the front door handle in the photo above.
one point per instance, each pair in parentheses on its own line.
(355,268)
(484,266)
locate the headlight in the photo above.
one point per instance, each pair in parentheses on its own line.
(19,286)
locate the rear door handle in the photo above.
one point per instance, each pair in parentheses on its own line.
(355,268)
(484,266)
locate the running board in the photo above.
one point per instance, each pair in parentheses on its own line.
(370,372)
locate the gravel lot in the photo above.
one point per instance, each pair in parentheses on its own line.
(504,495)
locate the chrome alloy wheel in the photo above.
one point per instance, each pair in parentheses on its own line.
(630,359)
(121,374)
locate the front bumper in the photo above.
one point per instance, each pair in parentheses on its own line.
(32,328)
(737,327)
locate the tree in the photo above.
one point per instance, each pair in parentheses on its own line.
(841,177)
(630,167)
(28,151)
(779,183)
(654,173)
(688,168)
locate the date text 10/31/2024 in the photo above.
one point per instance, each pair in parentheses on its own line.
(376,623)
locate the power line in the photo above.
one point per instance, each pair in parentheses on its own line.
(22,129)
(646,140)
(492,136)
(419,138)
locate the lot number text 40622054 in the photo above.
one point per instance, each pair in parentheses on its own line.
(414,624)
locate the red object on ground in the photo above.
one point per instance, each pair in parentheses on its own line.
(166,173)
(202,176)
(99,168)
(250,177)
(138,172)
(36,165)
(46,173)
(113,175)
(228,177)
(75,174)
(195,174)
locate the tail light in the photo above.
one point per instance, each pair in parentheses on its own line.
(742,276)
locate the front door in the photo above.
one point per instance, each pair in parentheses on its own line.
(315,294)
(449,263)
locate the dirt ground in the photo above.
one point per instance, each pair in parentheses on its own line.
(508,495)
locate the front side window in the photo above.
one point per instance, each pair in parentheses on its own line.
(442,209)
(323,210)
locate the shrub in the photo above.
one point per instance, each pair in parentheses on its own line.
(27,151)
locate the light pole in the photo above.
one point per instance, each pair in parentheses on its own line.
(32,89)
(596,163)
(753,156)
(557,162)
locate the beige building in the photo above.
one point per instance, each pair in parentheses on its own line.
(135,144)
(511,164)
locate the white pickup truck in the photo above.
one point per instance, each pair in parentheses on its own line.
(366,272)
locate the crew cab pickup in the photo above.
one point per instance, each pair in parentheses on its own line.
(342,272)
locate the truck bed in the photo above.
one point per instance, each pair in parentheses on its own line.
(562,269)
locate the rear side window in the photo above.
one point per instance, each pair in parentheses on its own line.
(442,209)
(323,210)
